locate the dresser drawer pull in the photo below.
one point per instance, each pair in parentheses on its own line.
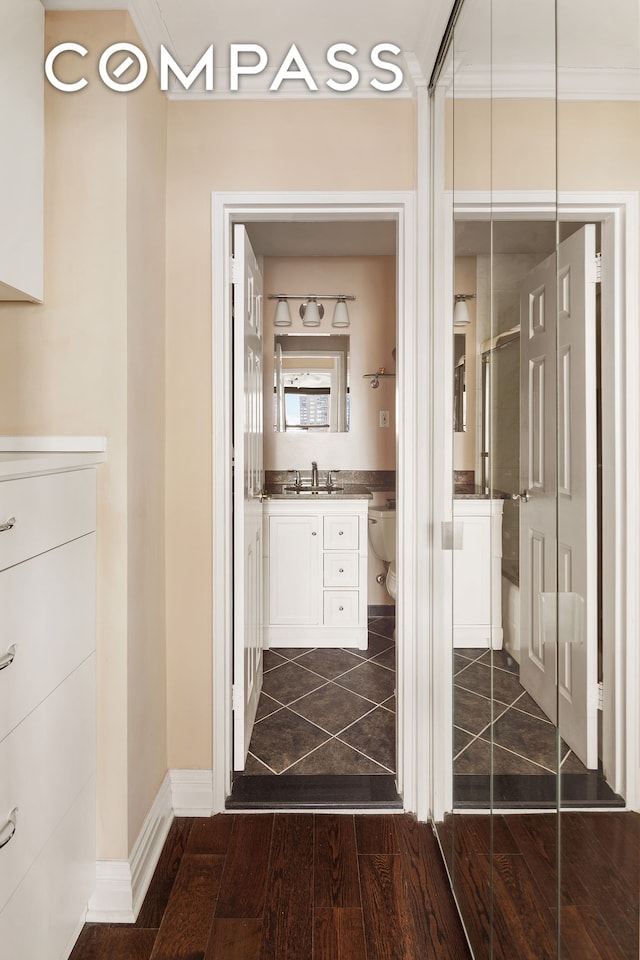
(11,522)
(8,658)
(9,828)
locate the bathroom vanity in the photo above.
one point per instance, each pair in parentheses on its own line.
(477,572)
(316,569)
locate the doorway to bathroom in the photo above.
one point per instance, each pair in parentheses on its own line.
(510,757)
(344,714)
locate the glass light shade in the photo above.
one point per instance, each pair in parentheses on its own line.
(312,314)
(461,314)
(283,316)
(340,315)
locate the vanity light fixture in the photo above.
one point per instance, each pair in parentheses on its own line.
(340,314)
(282,316)
(461,311)
(311,310)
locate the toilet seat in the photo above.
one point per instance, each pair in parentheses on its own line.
(392,583)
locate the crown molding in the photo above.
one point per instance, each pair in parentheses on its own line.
(539,83)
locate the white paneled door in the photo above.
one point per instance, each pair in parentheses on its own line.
(248,473)
(558,506)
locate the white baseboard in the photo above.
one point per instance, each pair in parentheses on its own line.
(192,792)
(121,885)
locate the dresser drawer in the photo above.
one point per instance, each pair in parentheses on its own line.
(47,510)
(44,764)
(341,608)
(47,611)
(341,533)
(341,569)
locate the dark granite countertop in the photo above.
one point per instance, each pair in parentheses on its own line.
(347,491)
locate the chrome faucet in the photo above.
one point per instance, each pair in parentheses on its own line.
(314,473)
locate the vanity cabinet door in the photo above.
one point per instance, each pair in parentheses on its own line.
(294,570)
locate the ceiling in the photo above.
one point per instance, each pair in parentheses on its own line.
(323,238)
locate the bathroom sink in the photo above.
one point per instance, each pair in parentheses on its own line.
(321,488)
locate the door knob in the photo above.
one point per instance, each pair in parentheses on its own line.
(524,496)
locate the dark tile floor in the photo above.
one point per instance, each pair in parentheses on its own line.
(508,736)
(328,711)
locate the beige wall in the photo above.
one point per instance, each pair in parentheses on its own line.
(90,361)
(249,146)
(511,145)
(372,337)
(146,668)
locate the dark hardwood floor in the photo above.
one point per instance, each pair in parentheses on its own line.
(291,886)
(525,882)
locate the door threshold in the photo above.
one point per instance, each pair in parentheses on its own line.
(511,791)
(318,792)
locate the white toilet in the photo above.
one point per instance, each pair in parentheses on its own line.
(382,537)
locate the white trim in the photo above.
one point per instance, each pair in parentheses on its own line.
(618,212)
(544,82)
(121,885)
(69,444)
(192,792)
(318,206)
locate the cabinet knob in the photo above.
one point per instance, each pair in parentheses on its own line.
(313,533)
(7,659)
(11,522)
(340,532)
(340,608)
(8,830)
(340,569)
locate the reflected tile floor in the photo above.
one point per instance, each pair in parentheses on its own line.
(328,711)
(499,727)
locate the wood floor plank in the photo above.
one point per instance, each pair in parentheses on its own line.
(338,934)
(244,880)
(375,834)
(159,891)
(124,944)
(233,939)
(186,924)
(287,930)
(609,893)
(576,936)
(335,866)
(523,925)
(210,834)
(387,933)
(432,908)
(89,943)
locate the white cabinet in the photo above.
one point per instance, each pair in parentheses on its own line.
(316,573)
(47,705)
(477,574)
(22,154)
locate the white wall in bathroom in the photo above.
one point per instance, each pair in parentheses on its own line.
(372,332)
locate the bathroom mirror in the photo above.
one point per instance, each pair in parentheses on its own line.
(459,383)
(311,383)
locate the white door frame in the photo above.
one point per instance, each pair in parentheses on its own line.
(413,603)
(618,214)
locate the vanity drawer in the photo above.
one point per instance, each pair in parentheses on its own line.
(340,570)
(44,764)
(48,511)
(341,533)
(341,608)
(50,637)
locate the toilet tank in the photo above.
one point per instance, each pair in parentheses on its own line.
(382,532)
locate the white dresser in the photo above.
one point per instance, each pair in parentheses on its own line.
(316,572)
(47,700)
